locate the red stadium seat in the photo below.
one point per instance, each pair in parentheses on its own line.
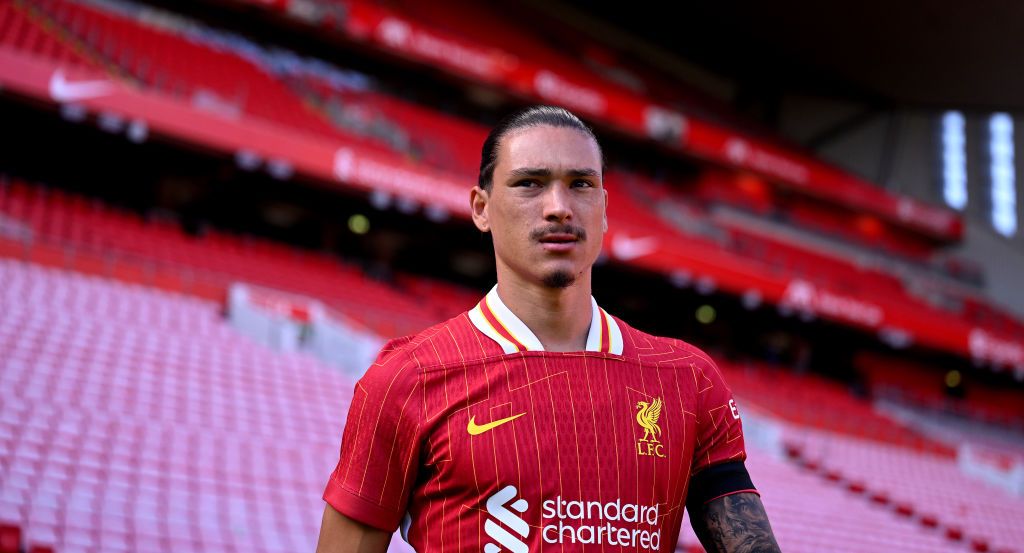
(10,538)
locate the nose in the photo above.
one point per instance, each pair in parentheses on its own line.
(557,202)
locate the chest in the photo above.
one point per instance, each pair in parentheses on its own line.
(575,427)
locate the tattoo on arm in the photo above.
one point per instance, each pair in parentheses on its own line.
(734,524)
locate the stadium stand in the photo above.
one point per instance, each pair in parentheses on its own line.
(916,384)
(75,224)
(18,30)
(805,401)
(73,221)
(312,98)
(164,62)
(137,420)
(133,418)
(431,137)
(809,514)
(809,400)
(125,406)
(933,489)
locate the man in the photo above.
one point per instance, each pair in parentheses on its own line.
(537,420)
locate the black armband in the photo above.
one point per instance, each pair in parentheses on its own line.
(718,481)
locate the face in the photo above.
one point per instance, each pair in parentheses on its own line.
(546,205)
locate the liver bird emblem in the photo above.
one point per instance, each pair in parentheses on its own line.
(647,417)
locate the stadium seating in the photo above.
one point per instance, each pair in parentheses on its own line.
(148,51)
(810,514)
(75,221)
(135,420)
(416,302)
(932,488)
(440,140)
(555,46)
(224,82)
(792,255)
(982,313)
(812,401)
(490,27)
(920,385)
(18,30)
(233,78)
(987,448)
(92,227)
(882,461)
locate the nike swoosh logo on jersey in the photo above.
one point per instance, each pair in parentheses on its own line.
(474,429)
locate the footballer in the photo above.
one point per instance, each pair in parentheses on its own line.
(538,421)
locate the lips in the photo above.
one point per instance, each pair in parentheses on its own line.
(558,238)
(558,242)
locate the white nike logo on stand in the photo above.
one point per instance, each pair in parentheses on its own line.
(626,248)
(63,90)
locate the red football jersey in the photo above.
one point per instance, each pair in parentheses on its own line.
(474,438)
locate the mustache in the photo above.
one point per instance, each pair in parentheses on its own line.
(578,232)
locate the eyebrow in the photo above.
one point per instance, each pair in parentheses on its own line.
(541,172)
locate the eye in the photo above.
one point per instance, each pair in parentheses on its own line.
(581,183)
(526,183)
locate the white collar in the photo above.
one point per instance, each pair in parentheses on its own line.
(500,324)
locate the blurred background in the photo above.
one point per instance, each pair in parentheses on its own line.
(213,213)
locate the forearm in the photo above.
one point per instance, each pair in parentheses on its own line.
(734,524)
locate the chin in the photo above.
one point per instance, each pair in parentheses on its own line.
(559,279)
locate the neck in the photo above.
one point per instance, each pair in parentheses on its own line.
(559,317)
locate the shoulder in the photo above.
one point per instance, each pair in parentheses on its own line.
(440,345)
(648,347)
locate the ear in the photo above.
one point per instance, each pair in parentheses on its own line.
(604,214)
(478,200)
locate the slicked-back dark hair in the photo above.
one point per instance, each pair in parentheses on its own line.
(534,116)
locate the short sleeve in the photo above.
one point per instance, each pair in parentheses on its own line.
(719,428)
(380,446)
